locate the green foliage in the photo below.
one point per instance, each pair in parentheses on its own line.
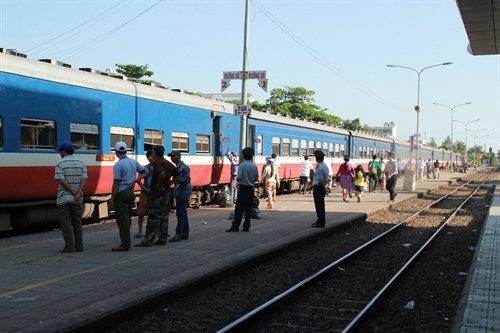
(446,144)
(134,71)
(432,143)
(459,147)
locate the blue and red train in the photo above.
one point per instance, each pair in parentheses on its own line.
(46,102)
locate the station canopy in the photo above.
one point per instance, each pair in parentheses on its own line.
(482,23)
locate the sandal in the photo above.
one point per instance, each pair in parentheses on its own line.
(138,235)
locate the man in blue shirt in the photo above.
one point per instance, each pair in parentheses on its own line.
(248,174)
(122,193)
(320,181)
(182,193)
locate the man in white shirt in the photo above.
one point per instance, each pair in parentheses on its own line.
(305,170)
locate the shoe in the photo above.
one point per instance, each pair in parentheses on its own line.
(138,235)
(176,238)
(317,225)
(79,250)
(359,199)
(118,248)
(316,222)
(184,237)
(66,250)
(141,244)
(245,229)
(160,242)
(233,229)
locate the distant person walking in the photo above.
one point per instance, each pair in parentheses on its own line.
(248,174)
(145,194)
(391,172)
(420,170)
(374,172)
(182,193)
(428,168)
(271,181)
(382,179)
(122,192)
(435,170)
(345,176)
(319,189)
(70,175)
(305,170)
(235,162)
(164,174)
(359,181)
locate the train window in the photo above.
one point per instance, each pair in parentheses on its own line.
(286,147)
(276,145)
(84,136)
(361,152)
(295,147)
(1,132)
(259,143)
(153,137)
(125,134)
(202,143)
(303,147)
(337,150)
(342,150)
(311,148)
(180,141)
(331,152)
(38,134)
(325,148)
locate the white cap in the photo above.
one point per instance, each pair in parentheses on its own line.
(121,147)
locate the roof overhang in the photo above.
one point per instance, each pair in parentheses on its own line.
(482,23)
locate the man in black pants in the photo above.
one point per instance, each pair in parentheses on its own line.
(248,174)
(319,184)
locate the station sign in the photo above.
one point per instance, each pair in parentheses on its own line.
(240,75)
(242,110)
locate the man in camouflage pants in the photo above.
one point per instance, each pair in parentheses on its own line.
(164,174)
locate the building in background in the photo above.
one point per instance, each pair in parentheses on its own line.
(389,128)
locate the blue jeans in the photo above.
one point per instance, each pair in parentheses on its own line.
(181,206)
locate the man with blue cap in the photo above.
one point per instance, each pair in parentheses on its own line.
(70,175)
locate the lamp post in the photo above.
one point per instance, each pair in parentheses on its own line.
(474,134)
(452,108)
(417,109)
(466,125)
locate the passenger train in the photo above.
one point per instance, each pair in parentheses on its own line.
(45,102)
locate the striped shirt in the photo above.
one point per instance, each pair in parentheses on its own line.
(72,170)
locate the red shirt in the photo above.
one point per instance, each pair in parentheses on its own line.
(160,166)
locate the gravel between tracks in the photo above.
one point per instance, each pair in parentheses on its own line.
(435,290)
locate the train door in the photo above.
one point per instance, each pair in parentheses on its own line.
(251,137)
(217,153)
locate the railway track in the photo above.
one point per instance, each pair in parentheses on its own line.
(313,304)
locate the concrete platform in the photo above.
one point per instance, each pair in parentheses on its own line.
(42,290)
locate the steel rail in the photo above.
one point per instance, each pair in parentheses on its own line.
(241,320)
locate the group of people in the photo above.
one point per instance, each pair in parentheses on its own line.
(155,181)
(427,168)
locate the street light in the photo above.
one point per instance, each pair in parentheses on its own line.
(466,124)
(417,107)
(451,137)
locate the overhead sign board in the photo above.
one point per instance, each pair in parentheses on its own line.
(240,75)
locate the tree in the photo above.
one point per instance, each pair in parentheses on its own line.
(446,144)
(299,102)
(432,143)
(353,125)
(136,72)
(459,147)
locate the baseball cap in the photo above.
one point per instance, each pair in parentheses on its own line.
(174,153)
(65,144)
(121,146)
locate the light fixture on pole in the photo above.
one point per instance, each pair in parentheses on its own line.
(452,108)
(466,125)
(417,109)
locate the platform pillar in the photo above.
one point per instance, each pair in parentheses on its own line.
(409,181)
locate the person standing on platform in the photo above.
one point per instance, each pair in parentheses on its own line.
(382,180)
(145,193)
(271,181)
(345,175)
(248,175)
(420,170)
(305,169)
(277,166)
(435,170)
(182,193)
(164,173)
(235,162)
(122,192)
(374,172)
(70,175)
(359,182)
(391,172)
(428,168)
(320,181)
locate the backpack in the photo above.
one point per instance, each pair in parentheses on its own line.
(372,168)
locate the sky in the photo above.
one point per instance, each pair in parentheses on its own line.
(337,48)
